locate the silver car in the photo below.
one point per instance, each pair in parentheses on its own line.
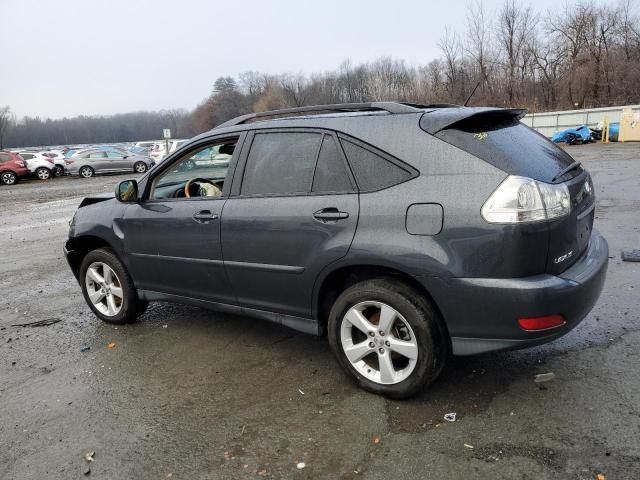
(89,162)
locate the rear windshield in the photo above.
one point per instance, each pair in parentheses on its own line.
(510,146)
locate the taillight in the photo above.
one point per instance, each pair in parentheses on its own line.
(534,324)
(23,164)
(522,200)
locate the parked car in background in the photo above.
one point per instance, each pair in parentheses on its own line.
(404,232)
(159,151)
(89,162)
(147,144)
(40,165)
(59,168)
(12,167)
(573,136)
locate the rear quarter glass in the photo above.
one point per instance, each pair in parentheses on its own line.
(510,146)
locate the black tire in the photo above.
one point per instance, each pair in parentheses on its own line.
(57,171)
(140,167)
(419,313)
(43,173)
(8,178)
(131,306)
(86,172)
(572,139)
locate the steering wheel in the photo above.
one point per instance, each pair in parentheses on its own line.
(207,187)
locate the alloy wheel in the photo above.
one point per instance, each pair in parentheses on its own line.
(86,172)
(9,178)
(43,173)
(379,342)
(140,167)
(104,289)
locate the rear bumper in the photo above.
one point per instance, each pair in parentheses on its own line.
(482,313)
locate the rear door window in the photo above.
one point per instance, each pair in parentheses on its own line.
(281,163)
(331,173)
(372,170)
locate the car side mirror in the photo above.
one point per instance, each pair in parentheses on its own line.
(127,191)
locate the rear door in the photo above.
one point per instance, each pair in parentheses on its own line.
(116,160)
(294,212)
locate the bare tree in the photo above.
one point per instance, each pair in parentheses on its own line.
(5,119)
(515,27)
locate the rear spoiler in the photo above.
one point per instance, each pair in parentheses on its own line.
(437,120)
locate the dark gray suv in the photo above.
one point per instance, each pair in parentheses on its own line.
(405,232)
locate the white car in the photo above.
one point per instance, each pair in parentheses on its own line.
(148,144)
(39,164)
(159,150)
(60,166)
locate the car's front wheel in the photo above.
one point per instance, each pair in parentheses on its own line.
(43,173)
(8,178)
(86,172)
(388,337)
(108,288)
(140,167)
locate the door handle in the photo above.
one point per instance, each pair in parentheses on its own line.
(331,214)
(204,216)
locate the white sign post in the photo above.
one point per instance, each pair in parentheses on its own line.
(166,133)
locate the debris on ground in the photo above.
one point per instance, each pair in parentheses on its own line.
(38,323)
(86,471)
(450,417)
(85,349)
(111,345)
(601,476)
(89,456)
(301,392)
(630,256)
(544,377)
(468,446)
(376,439)
(165,326)
(300,465)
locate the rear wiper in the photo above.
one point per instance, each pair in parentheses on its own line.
(573,166)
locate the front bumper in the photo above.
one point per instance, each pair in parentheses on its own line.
(482,313)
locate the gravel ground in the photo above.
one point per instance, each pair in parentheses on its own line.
(189,394)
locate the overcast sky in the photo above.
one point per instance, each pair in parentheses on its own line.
(69,57)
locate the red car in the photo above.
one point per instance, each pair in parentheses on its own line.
(12,166)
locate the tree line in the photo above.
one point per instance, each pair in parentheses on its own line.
(579,55)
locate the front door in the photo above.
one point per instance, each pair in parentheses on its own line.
(172,237)
(296,212)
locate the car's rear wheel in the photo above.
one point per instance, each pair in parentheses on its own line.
(140,167)
(57,171)
(108,288)
(86,172)
(387,336)
(43,173)
(8,178)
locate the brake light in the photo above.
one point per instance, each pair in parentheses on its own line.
(535,324)
(522,200)
(23,164)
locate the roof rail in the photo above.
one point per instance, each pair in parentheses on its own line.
(391,107)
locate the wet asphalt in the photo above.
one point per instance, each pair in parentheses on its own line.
(187,393)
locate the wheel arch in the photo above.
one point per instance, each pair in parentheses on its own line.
(334,282)
(79,247)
